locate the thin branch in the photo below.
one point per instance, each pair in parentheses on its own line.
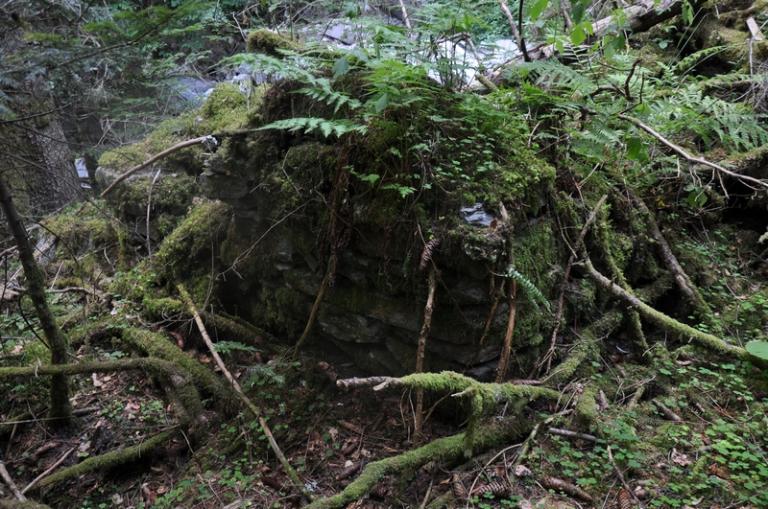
(35,115)
(236,386)
(48,470)
(5,476)
(690,157)
(183,144)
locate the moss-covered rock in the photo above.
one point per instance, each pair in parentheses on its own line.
(269,42)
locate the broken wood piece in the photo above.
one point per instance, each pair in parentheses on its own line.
(754,29)
(506,350)
(572,434)
(421,348)
(553,483)
(668,413)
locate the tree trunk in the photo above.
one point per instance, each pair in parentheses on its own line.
(60,410)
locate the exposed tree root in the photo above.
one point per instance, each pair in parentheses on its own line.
(506,349)
(443,450)
(421,349)
(664,321)
(109,460)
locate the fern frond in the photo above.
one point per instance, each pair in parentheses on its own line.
(695,58)
(531,291)
(309,124)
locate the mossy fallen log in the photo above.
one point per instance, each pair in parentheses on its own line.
(443,450)
(108,460)
(157,345)
(183,393)
(456,384)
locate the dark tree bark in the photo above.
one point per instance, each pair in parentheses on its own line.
(60,410)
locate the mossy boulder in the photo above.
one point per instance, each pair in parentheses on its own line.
(269,42)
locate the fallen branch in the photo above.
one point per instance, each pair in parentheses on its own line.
(664,321)
(443,450)
(689,157)
(236,386)
(456,384)
(207,139)
(572,434)
(6,477)
(668,413)
(108,460)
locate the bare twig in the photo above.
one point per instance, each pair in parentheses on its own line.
(48,470)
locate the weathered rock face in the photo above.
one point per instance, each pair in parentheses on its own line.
(281,188)
(374,309)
